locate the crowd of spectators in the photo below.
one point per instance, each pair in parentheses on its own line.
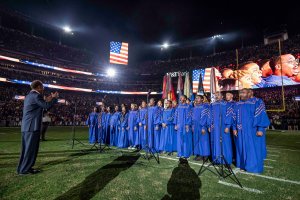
(63,115)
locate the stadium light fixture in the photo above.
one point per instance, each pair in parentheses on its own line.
(111,72)
(165,45)
(67,29)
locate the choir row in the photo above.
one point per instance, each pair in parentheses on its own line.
(235,130)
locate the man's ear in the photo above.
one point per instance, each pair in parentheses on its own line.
(278,66)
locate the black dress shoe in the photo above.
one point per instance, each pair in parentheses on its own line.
(34,171)
(24,174)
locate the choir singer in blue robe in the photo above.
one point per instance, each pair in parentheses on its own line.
(201,144)
(166,141)
(133,126)
(183,123)
(123,135)
(220,123)
(92,123)
(114,126)
(157,124)
(250,122)
(151,111)
(142,124)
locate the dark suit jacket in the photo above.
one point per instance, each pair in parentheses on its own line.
(33,111)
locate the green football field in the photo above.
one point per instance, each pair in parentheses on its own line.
(75,174)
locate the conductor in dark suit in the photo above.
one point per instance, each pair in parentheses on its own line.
(31,126)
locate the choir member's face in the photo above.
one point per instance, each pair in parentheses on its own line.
(254,71)
(152,102)
(108,109)
(266,69)
(174,104)
(244,94)
(159,103)
(123,109)
(229,96)
(218,96)
(250,94)
(144,104)
(182,99)
(95,109)
(116,108)
(188,101)
(289,65)
(168,104)
(132,106)
(198,100)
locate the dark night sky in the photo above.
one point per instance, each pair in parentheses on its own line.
(147,24)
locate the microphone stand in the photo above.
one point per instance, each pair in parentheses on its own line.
(224,169)
(147,149)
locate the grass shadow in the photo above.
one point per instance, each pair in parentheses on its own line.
(184,183)
(96,181)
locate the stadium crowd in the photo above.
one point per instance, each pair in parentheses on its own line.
(11,108)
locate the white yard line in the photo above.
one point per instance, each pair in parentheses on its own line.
(271,178)
(243,188)
(271,160)
(273,155)
(284,149)
(270,167)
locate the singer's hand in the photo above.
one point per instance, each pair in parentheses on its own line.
(203,131)
(176,127)
(140,124)
(187,128)
(235,133)
(259,133)
(226,130)
(135,128)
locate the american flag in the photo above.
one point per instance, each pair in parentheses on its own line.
(118,53)
(205,74)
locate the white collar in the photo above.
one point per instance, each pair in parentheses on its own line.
(35,91)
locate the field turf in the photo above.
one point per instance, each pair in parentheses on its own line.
(75,174)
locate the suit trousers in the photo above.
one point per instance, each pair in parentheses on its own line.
(29,151)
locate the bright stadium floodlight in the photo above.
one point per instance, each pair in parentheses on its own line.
(165,45)
(111,72)
(67,29)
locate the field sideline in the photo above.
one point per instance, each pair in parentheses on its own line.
(76,174)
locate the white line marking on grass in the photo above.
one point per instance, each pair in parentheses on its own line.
(272,178)
(273,155)
(243,188)
(271,160)
(284,149)
(266,166)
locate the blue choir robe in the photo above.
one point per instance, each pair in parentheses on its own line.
(201,142)
(167,133)
(250,147)
(261,121)
(151,113)
(157,127)
(107,127)
(183,119)
(123,135)
(133,127)
(92,122)
(114,128)
(174,142)
(101,127)
(220,118)
(142,128)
